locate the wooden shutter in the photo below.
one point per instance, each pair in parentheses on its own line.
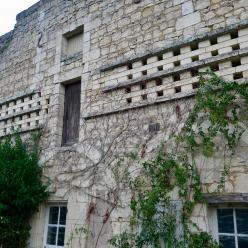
(71,113)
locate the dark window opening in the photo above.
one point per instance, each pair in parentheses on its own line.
(194,72)
(195,58)
(178,89)
(160,93)
(130,76)
(144,62)
(160,57)
(194,46)
(129,100)
(214,53)
(144,97)
(176,52)
(234,34)
(214,67)
(159,81)
(71,113)
(195,86)
(144,73)
(160,68)
(176,77)
(177,63)
(130,66)
(213,41)
(128,90)
(143,86)
(235,47)
(237,75)
(236,63)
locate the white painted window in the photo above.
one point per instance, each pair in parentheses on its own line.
(55,229)
(232,226)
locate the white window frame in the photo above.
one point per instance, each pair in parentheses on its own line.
(45,245)
(213,222)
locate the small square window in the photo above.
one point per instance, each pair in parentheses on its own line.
(73,41)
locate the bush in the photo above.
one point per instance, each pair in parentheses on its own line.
(21,190)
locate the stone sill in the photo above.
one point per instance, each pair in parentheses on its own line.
(176,44)
(179,69)
(66,60)
(226,198)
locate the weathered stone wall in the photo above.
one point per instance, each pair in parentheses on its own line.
(121,40)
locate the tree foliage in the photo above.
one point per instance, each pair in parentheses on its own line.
(21,189)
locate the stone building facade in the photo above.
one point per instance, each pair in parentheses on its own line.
(101,77)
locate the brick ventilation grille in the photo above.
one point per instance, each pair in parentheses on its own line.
(23,113)
(173,73)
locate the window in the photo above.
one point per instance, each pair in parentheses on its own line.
(71,113)
(233,227)
(73,41)
(55,230)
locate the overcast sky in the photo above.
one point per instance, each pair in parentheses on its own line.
(8,11)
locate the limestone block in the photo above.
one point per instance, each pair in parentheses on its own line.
(202,4)
(188,20)
(187,8)
(176,2)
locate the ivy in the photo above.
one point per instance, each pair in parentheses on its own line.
(21,189)
(218,119)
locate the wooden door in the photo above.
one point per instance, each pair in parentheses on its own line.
(71,113)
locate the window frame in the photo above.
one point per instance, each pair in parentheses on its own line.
(60,205)
(213,221)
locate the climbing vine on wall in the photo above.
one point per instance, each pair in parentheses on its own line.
(21,189)
(169,185)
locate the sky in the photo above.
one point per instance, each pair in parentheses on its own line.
(8,11)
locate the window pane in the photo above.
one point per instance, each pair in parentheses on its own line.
(63,211)
(225,220)
(227,241)
(61,236)
(243,242)
(242,221)
(51,235)
(53,215)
